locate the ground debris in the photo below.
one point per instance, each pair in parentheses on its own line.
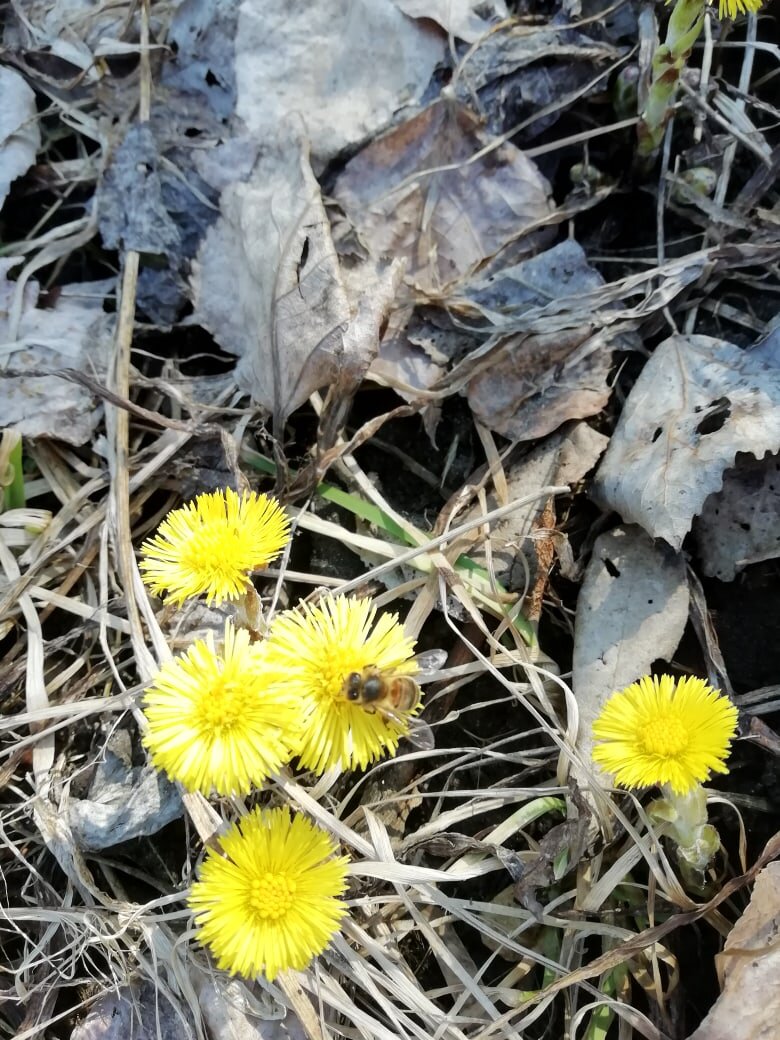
(748,1007)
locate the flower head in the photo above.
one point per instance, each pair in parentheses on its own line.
(316,649)
(270,902)
(211,545)
(665,731)
(731,8)
(214,723)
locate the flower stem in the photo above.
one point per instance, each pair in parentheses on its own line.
(684,819)
(685,24)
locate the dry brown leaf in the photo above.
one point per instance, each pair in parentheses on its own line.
(564,458)
(554,330)
(749,967)
(446,222)
(535,383)
(531,73)
(698,401)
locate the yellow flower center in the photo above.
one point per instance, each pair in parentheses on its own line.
(222,708)
(272,896)
(333,672)
(217,551)
(665,736)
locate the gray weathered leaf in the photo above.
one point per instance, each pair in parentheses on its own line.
(267,283)
(632,610)
(466,19)
(337,69)
(20,137)
(73,333)
(139,1011)
(203,33)
(130,204)
(123,801)
(697,402)
(740,524)
(234,1010)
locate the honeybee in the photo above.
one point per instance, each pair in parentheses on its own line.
(394,695)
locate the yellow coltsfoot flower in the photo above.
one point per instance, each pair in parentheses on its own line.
(270,901)
(665,731)
(214,723)
(316,649)
(731,8)
(211,545)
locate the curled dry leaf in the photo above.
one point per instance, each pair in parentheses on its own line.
(267,283)
(413,355)
(632,610)
(405,366)
(749,1006)
(421,194)
(698,401)
(563,847)
(340,69)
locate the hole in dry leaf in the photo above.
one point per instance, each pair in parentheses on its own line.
(611,568)
(657,434)
(718,413)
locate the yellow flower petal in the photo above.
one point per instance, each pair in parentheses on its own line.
(211,545)
(270,903)
(214,725)
(316,649)
(731,8)
(665,731)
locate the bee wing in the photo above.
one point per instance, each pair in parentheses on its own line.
(418,732)
(421,735)
(429,663)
